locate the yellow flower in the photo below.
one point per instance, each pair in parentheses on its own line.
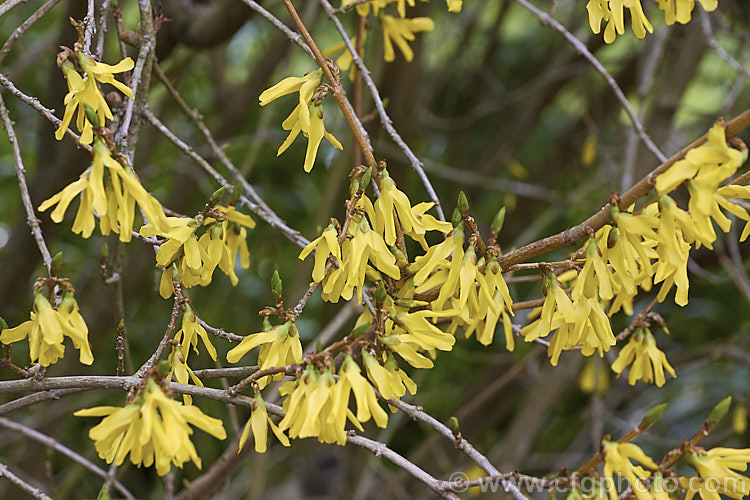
(390,381)
(594,279)
(392,201)
(407,350)
(259,423)
(401,31)
(717,471)
(154,429)
(304,118)
(593,378)
(104,73)
(421,332)
(280,346)
(364,8)
(84,91)
(453,5)
(315,406)
(557,302)
(114,204)
(364,246)
(181,372)
(437,254)
(681,10)
(673,253)
(612,12)
(190,332)
(47,328)
(617,459)
(351,380)
(324,245)
(648,361)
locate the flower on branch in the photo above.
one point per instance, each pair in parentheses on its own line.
(153,429)
(307,116)
(401,31)
(47,328)
(84,91)
(114,203)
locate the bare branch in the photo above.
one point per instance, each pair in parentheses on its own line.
(53,443)
(31,490)
(31,219)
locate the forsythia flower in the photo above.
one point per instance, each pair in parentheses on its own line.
(364,245)
(114,203)
(259,423)
(324,245)
(181,372)
(314,408)
(154,429)
(304,118)
(46,330)
(648,361)
(617,458)
(280,346)
(390,381)
(84,91)
(718,467)
(401,32)
(681,10)
(196,257)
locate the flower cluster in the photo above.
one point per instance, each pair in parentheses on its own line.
(109,191)
(612,12)
(84,92)
(259,423)
(153,429)
(717,473)
(318,406)
(307,116)
(195,247)
(47,328)
(648,361)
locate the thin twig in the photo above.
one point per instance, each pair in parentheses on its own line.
(295,37)
(381,450)
(31,219)
(461,443)
(88,30)
(709,34)
(219,332)
(53,443)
